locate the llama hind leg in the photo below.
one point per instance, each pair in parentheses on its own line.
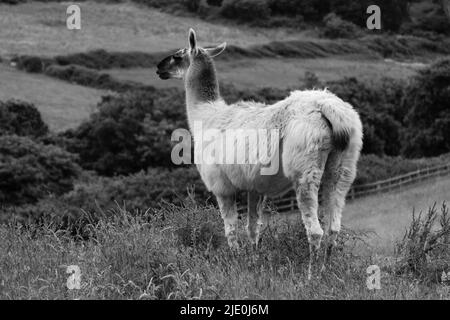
(339,174)
(228,210)
(306,188)
(254,217)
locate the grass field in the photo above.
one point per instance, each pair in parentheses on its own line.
(62,105)
(40,29)
(184,256)
(389,214)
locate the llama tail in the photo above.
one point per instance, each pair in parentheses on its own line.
(344,122)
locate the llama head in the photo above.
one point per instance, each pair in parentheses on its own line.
(176,65)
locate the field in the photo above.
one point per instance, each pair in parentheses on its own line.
(67,105)
(184,256)
(41,28)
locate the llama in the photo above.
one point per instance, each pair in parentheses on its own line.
(320,141)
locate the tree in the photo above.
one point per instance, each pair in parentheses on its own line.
(428,119)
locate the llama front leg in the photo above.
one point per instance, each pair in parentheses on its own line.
(254,217)
(228,210)
(307,188)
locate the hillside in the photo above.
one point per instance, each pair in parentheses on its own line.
(389,214)
(253,58)
(62,105)
(139,28)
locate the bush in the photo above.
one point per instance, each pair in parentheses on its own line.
(424,249)
(130,132)
(335,27)
(245,10)
(30,170)
(428,119)
(31,63)
(90,78)
(377,104)
(139,191)
(22,119)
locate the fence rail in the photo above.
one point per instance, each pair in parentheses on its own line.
(288,202)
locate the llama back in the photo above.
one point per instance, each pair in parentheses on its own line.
(343,120)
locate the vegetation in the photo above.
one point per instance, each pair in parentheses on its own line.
(180,253)
(428,117)
(30,170)
(22,119)
(424,249)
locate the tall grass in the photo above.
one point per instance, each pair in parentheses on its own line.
(180,253)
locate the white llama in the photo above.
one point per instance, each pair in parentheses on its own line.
(320,140)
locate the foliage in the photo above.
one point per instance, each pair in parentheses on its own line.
(335,27)
(30,170)
(129,132)
(138,191)
(245,10)
(22,119)
(428,118)
(424,249)
(377,105)
(88,77)
(180,253)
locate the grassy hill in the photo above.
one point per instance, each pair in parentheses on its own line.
(40,29)
(389,214)
(62,105)
(180,253)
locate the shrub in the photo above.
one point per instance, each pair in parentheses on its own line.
(22,119)
(428,118)
(245,10)
(130,132)
(30,170)
(311,10)
(424,249)
(139,191)
(335,27)
(102,59)
(31,63)
(88,77)
(377,106)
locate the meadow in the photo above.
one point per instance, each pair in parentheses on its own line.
(180,253)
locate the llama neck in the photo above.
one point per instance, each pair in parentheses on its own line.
(201,84)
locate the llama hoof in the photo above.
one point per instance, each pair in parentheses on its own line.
(233,243)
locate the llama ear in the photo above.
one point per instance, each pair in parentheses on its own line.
(214,52)
(192,40)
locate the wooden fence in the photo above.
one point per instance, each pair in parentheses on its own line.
(288,202)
